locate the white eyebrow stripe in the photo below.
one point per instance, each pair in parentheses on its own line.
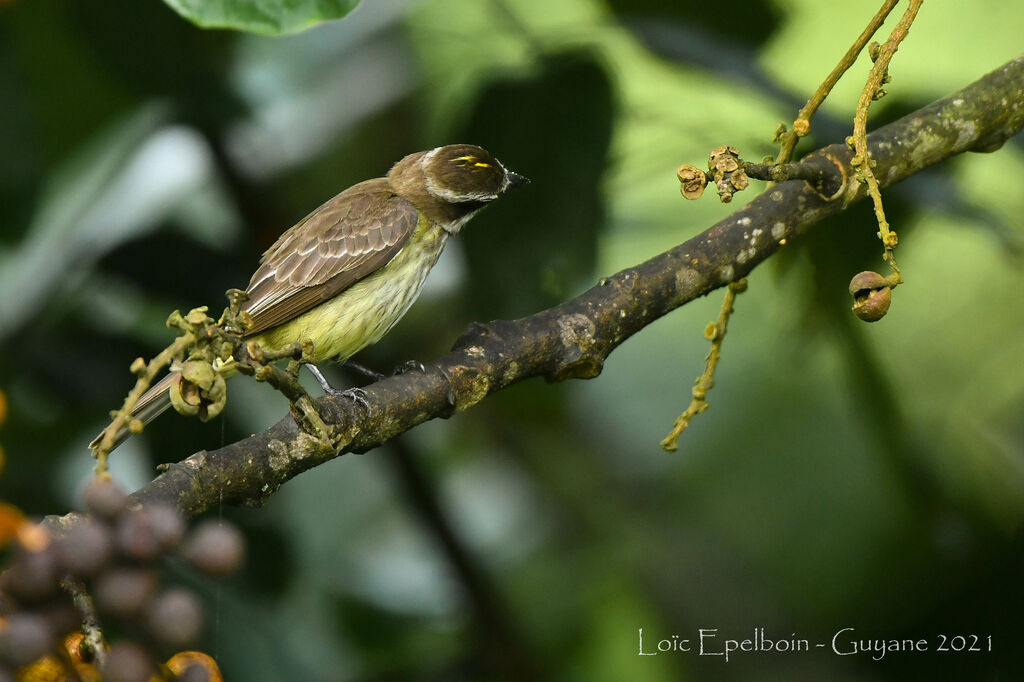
(452,196)
(428,156)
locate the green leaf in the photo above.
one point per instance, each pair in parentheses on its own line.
(267,17)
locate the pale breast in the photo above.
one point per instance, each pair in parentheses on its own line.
(363,313)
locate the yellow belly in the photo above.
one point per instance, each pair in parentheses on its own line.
(366,311)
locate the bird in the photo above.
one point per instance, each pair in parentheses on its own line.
(345,274)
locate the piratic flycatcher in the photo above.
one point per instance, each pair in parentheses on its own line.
(347,272)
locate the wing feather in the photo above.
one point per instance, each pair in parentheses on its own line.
(351,236)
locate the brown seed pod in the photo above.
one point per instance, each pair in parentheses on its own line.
(872,295)
(184,396)
(724,159)
(198,389)
(692,181)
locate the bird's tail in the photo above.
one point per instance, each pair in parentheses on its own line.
(151,405)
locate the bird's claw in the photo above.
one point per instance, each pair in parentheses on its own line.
(356,395)
(410,366)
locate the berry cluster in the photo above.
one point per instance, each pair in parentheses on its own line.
(73,584)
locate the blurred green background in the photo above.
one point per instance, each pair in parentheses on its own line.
(846,475)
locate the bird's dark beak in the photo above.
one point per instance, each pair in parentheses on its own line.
(515,179)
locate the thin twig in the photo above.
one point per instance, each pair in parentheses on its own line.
(872,91)
(715,333)
(257,362)
(574,339)
(802,124)
(146,372)
(91,627)
(781,171)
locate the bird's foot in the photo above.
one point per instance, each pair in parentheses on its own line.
(356,395)
(410,366)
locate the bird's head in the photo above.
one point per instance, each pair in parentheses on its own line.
(453,182)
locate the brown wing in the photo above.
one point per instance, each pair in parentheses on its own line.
(348,238)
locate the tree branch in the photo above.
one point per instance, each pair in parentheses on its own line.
(572,340)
